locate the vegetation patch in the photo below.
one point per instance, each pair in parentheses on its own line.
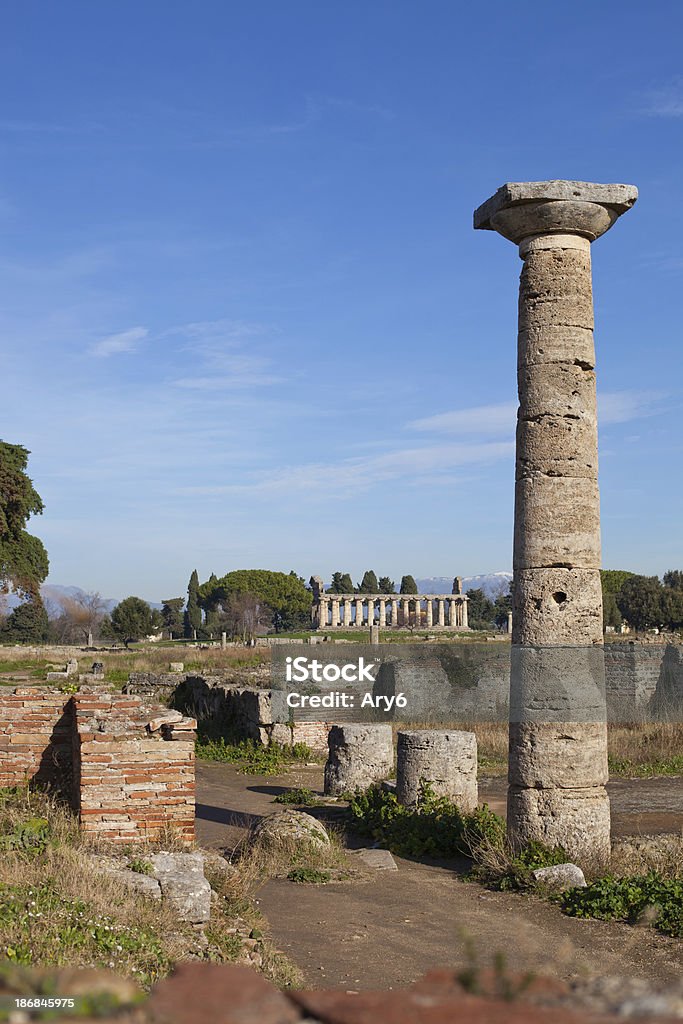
(310,875)
(252,758)
(300,797)
(639,899)
(436,827)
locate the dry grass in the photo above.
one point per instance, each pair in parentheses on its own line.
(261,857)
(639,855)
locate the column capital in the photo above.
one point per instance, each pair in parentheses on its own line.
(522,209)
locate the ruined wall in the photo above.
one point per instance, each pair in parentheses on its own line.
(126,767)
(36,729)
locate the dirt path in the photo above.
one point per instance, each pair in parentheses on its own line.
(388,929)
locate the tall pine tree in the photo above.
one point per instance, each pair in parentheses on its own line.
(193,613)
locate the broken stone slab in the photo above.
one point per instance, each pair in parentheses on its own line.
(291,825)
(57,677)
(145,885)
(169,716)
(183,885)
(177,666)
(560,877)
(616,196)
(379,860)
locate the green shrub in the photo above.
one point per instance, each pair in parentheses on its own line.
(310,875)
(301,797)
(625,899)
(29,837)
(436,827)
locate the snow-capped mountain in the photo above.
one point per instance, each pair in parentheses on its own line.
(492,583)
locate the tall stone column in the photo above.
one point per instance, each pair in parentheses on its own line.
(430,613)
(335,611)
(452,606)
(441,614)
(394,612)
(371,612)
(465,624)
(322,613)
(347,610)
(406,611)
(359,612)
(382,612)
(558,736)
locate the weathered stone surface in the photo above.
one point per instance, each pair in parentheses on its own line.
(291,825)
(568,755)
(556,343)
(558,389)
(557,446)
(445,759)
(145,885)
(557,523)
(358,756)
(378,860)
(617,196)
(560,877)
(578,820)
(557,606)
(183,885)
(557,515)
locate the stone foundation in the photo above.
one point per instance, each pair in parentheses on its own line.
(358,756)
(446,760)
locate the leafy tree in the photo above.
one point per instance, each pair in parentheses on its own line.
(386,586)
(408,585)
(285,594)
(611,616)
(27,623)
(673,579)
(502,606)
(640,601)
(480,611)
(341,584)
(193,611)
(612,580)
(245,615)
(172,615)
(132,619)
(369,584)
(23,559)
(672,607)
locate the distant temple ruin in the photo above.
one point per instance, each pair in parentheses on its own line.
(389,611)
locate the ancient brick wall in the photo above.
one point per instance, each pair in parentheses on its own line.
(36,732)
(127,767)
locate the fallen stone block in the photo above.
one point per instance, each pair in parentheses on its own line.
(379,860)
(560,877)
(183,885)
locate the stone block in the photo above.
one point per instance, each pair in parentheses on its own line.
(359,755)
(557,523)
(556,343)
(287,826)
(183,885)
(557,389)
(618,196)
(563,755)
(560,877)
(557,606)
(444,759)
(578,820)
(558,446)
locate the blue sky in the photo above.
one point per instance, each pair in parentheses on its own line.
(245,319)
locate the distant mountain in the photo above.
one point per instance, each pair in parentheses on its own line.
(492,583)
(53,594)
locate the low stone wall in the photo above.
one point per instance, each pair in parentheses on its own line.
(125,766)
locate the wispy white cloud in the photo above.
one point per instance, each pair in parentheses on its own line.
(624,406)
(499,420)
(482,419)
(124,341)
(666,101)
(228,350)
(347,476)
